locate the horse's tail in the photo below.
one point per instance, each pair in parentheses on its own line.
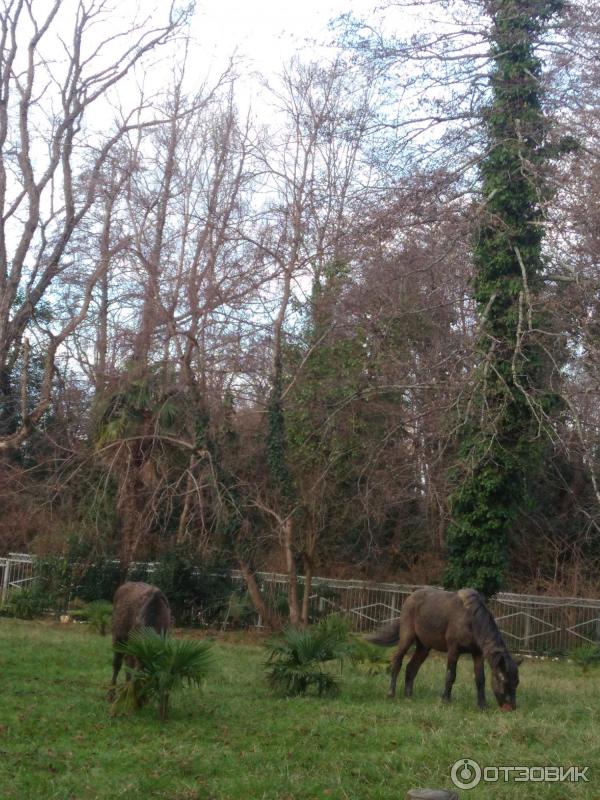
(157,612)
(387,636)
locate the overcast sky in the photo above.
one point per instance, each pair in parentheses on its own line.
(268,32)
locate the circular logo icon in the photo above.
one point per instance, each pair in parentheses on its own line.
(465,773)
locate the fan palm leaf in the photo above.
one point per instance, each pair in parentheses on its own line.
(164,666)
(301,658)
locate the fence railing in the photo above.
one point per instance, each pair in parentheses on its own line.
(529,623)
(16,571)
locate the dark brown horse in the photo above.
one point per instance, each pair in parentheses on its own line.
(453,623)
(136,605)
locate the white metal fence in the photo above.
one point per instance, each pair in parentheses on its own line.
(16,572)
(529,623)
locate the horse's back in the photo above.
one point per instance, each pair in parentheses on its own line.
(435,602)
(435,615)
(137,604)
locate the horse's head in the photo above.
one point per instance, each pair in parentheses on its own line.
(505,679)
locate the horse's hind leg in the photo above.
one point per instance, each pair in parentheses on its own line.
(131,664)
(450,675)
(479,679)
(117,661)
(413,667)
(405,643)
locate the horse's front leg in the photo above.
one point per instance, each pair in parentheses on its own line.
(479,670)
(450,675)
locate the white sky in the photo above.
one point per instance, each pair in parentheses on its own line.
(267,32)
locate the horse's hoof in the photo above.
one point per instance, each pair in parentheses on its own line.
(391,695)
(446,700)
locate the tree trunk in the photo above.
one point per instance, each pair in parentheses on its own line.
(268,617)
(7,406)
(182,530)
(290,562)
(131,510)
(307,561)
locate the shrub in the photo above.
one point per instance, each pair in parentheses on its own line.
(165,665)
(97,581)
(586,655)
(191,586)
(98,614)
(29,603)
(53,578)
(239,612)
(298,658)
(369,658)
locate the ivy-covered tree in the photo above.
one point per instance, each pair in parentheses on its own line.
(503,440)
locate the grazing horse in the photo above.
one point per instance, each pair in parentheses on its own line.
(453,623)
(136,605)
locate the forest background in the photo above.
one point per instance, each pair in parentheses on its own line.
(246,318)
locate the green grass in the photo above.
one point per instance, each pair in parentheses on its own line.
(236,740)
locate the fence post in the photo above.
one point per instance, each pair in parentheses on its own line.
(527,633)
(5,579)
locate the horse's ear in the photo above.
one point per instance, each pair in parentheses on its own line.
(499,665)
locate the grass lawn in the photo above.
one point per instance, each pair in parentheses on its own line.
(235,740)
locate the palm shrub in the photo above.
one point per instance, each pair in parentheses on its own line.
(300,657)
(164,665)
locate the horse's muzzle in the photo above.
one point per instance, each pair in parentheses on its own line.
(507,707)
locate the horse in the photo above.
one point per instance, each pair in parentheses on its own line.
(136,605)
(453,623)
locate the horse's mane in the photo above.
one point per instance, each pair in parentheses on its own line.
(483,624)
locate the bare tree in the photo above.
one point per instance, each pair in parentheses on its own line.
(311,170)
(51,165)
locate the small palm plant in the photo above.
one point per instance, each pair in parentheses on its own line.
(164,665)
(298,660)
